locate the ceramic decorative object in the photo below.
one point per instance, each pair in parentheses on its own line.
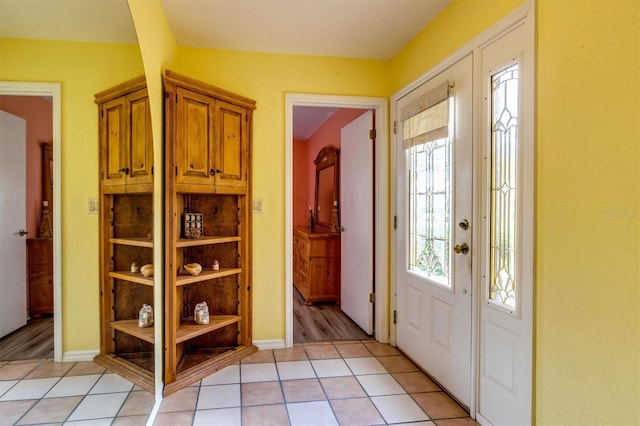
(193,268)
(216,265)
(147,270)
(145,317)
(135,267)
(192,225)
(201,313)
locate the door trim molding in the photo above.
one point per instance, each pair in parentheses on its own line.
(53,90)
(381,188)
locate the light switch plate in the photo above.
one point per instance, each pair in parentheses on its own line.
(257,205)
(92,206)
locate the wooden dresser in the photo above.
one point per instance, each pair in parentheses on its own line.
(316,264)
(40,258)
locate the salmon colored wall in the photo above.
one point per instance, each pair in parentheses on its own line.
(327,134)
(300,182)
(38,113)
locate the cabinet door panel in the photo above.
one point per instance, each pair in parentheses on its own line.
(141,147)
(114,141)
(194,141)
(231,153)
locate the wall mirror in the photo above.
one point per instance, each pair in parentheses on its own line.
(327,184)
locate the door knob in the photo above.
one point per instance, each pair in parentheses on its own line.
(22,232)
(461,248)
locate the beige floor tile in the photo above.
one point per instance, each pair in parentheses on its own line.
(415,381)
(352,350)
(397,364)
(17,370)
(82,368)
(261,393)
(259,357)
(137,403)
(355,412)
(11,411)
(51,410)
(183,400)
(51,369)
(381,349)
(302,390)
(174,419)
(342,387)
(462,421)
(265,415)
(295,353)
(438,405)
(321,351)
(130,421)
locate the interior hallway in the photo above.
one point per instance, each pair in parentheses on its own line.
(340,382)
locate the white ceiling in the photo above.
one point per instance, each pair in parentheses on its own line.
(371,29)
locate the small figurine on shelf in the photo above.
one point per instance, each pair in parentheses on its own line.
(310,220)
(135,267)
(145,317)
(216,265)
(201,313)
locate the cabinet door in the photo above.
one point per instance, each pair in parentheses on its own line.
(231,149)
(194,138)
(140,148)
(114,141)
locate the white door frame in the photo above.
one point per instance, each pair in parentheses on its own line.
(522,13)
(381,188)
(53,90)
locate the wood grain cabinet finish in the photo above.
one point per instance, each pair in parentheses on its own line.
(316,265)
(126,142)
(40,262)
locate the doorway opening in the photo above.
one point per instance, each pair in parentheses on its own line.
(45,235)
(298,207)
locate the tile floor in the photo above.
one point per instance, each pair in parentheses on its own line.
(331,383)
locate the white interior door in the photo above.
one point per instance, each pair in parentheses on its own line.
(13,286)
(356,217)
(434,196)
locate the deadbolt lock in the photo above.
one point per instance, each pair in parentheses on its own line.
(461,248)
(464,224)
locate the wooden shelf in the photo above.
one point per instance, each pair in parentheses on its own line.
(131,328)
(134,277)
(188,330)
(136,242)
(203,241)
(206,275)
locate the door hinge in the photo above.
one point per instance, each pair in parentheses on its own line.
(151,170)
(372,298)
(395,222)
(176,170)
(395,127)
(372,134)
(395,317)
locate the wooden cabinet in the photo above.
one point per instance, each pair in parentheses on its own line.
(316,264)
(40,264)
(126,224)
(207,170)
(126,143)
(207,154)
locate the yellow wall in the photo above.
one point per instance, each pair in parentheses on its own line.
(266,78)
(82,69)
(587,326)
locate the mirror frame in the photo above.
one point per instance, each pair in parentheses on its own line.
(327,157)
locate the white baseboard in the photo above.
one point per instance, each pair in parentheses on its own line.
(269,344)
(78,356)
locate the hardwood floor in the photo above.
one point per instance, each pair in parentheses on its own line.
(323,321)
(33,341)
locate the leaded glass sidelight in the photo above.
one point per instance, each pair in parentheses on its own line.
(429,210)
(504,186)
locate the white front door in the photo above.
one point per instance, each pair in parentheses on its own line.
(356,209)
(434,193)
(13,287)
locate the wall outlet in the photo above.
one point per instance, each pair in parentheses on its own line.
(92,206)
